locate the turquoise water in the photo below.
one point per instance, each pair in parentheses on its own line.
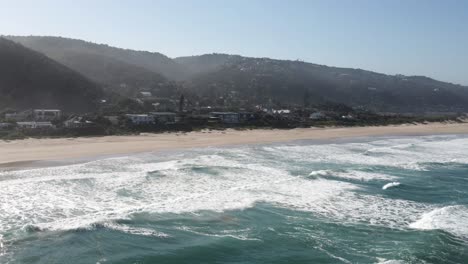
(303,202)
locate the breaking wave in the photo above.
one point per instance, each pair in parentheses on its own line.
(339,184)
(452,219)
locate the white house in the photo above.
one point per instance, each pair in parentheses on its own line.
(46,114)
(283,112)
(146,94)
(19,116)
(142,119)
(35,124)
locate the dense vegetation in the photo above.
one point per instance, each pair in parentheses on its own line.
(295,82)
(29,79)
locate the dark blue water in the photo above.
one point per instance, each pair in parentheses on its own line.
(286,203)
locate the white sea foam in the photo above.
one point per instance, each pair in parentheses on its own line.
(391,185)
(78,196)
(236,234)
(74,200)
(320,173)
(135,230)
(388,261)
(453,219)
(2,249)
(352,175)
(407,153)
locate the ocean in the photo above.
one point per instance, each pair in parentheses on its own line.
(365,200)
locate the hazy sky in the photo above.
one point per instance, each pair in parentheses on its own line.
(412,37)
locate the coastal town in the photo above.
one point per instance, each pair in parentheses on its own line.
(179,115)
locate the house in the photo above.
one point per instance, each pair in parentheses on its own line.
(77,122)
(26,124)
(5,126)
(46,114)
(164,117)
(146,94)
(34,125)
(226,117)
(19,116)
(283,112)
(317,116)
(140,119)
(246,116)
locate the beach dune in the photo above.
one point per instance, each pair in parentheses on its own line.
(19,152)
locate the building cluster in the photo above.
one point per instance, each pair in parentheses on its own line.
(153,118)
(37,118)
(166,118)
(54,118)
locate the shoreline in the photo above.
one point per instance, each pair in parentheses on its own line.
(26,152)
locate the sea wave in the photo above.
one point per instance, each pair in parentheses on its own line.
(74,201)
(452,219)
(406,153)
(389,261)
(70,197)
(351,175)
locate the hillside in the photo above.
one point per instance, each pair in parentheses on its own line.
(294,82)
(29,79)
(195,65)
(249,80)
(113,74)
(110,66)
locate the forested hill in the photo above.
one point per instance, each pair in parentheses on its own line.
(195,65)
(251,80)
(29,79)
(119,70)
(296,82)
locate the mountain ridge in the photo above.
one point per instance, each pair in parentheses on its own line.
(258,80)
(57,47)
(263,77)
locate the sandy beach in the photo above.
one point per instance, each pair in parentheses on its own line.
(18,153)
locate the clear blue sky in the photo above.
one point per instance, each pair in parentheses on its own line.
(412,37)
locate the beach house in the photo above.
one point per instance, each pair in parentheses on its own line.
(35,125)
(46,114)
(19,116)
(164,117)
